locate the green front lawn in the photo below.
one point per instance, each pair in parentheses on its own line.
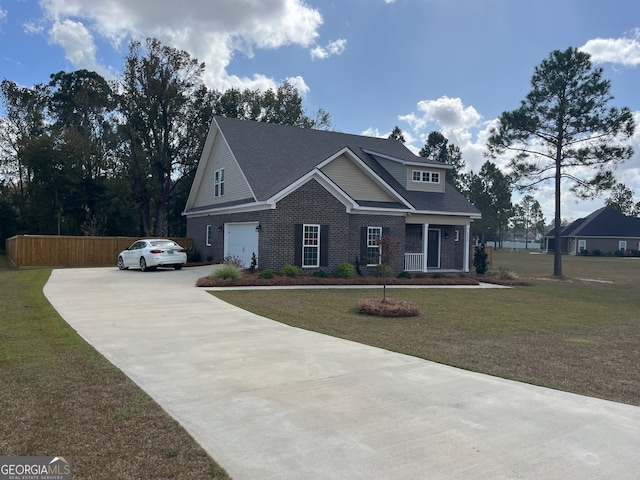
(581,334)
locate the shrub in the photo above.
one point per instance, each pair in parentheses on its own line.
(289,270)
(596,253)
(254,263)
(234,260)
(358,271)
(383,270)
(345,270)
(404,274)
(320,274)
(193,255)
(226,271)
(506,274)
(388,308)
(480,261)
(266,273)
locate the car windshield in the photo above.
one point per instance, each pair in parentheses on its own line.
(163,243)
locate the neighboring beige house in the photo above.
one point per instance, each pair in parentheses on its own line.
(318,198)
(606,230)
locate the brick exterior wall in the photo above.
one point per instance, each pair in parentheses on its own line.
(313,204)
(309,204)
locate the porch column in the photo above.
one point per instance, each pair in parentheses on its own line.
(425,245)
(467,247)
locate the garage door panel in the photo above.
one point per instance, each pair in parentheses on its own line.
(241,240)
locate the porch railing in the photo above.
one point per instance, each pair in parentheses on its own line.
(413,262)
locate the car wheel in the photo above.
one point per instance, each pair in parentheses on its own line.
(177,267)
(143,265)
(121,265)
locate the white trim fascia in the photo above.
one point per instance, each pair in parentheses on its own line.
(408,162)
(603,237)
(245,207)
(472,216)
(323,180)
(374,176)
(379,211)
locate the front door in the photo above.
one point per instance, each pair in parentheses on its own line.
(433,248)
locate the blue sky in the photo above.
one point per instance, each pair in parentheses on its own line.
(423,65)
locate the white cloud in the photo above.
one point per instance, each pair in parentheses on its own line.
(461,124)
(77,43)
(625,51)
(333,48)
(3,15)
(211,31)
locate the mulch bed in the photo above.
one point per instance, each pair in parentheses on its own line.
(253,280)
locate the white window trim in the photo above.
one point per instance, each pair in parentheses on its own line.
(317,246)
(425,176)
(369,229)
(582,244)
(208,236)
(622,245)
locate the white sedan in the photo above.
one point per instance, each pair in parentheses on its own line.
(148,254)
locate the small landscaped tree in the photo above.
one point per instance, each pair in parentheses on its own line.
(389,251)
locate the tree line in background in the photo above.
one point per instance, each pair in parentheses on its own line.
(81,155)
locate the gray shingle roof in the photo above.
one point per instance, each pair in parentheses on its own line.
(604,222)
(274,156)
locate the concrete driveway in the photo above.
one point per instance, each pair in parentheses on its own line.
(268,401)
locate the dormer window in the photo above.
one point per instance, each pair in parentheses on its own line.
(425,177)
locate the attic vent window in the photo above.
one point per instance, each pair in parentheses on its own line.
(425,177)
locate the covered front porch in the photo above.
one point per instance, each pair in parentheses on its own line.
(437,247)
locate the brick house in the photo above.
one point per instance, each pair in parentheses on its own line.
(318,198)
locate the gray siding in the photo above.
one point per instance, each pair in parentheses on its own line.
(235,187)
(353,180)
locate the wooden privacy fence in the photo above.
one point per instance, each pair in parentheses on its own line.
(67,251)
(488,249)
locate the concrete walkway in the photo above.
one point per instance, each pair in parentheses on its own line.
(268,401)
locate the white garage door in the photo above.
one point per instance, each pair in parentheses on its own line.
(241,240)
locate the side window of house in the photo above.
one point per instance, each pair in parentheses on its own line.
(622,245)
(416,176)
(218,183)
(311,246)
(208,238)
(582,245)
(435,177)
(373,248)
